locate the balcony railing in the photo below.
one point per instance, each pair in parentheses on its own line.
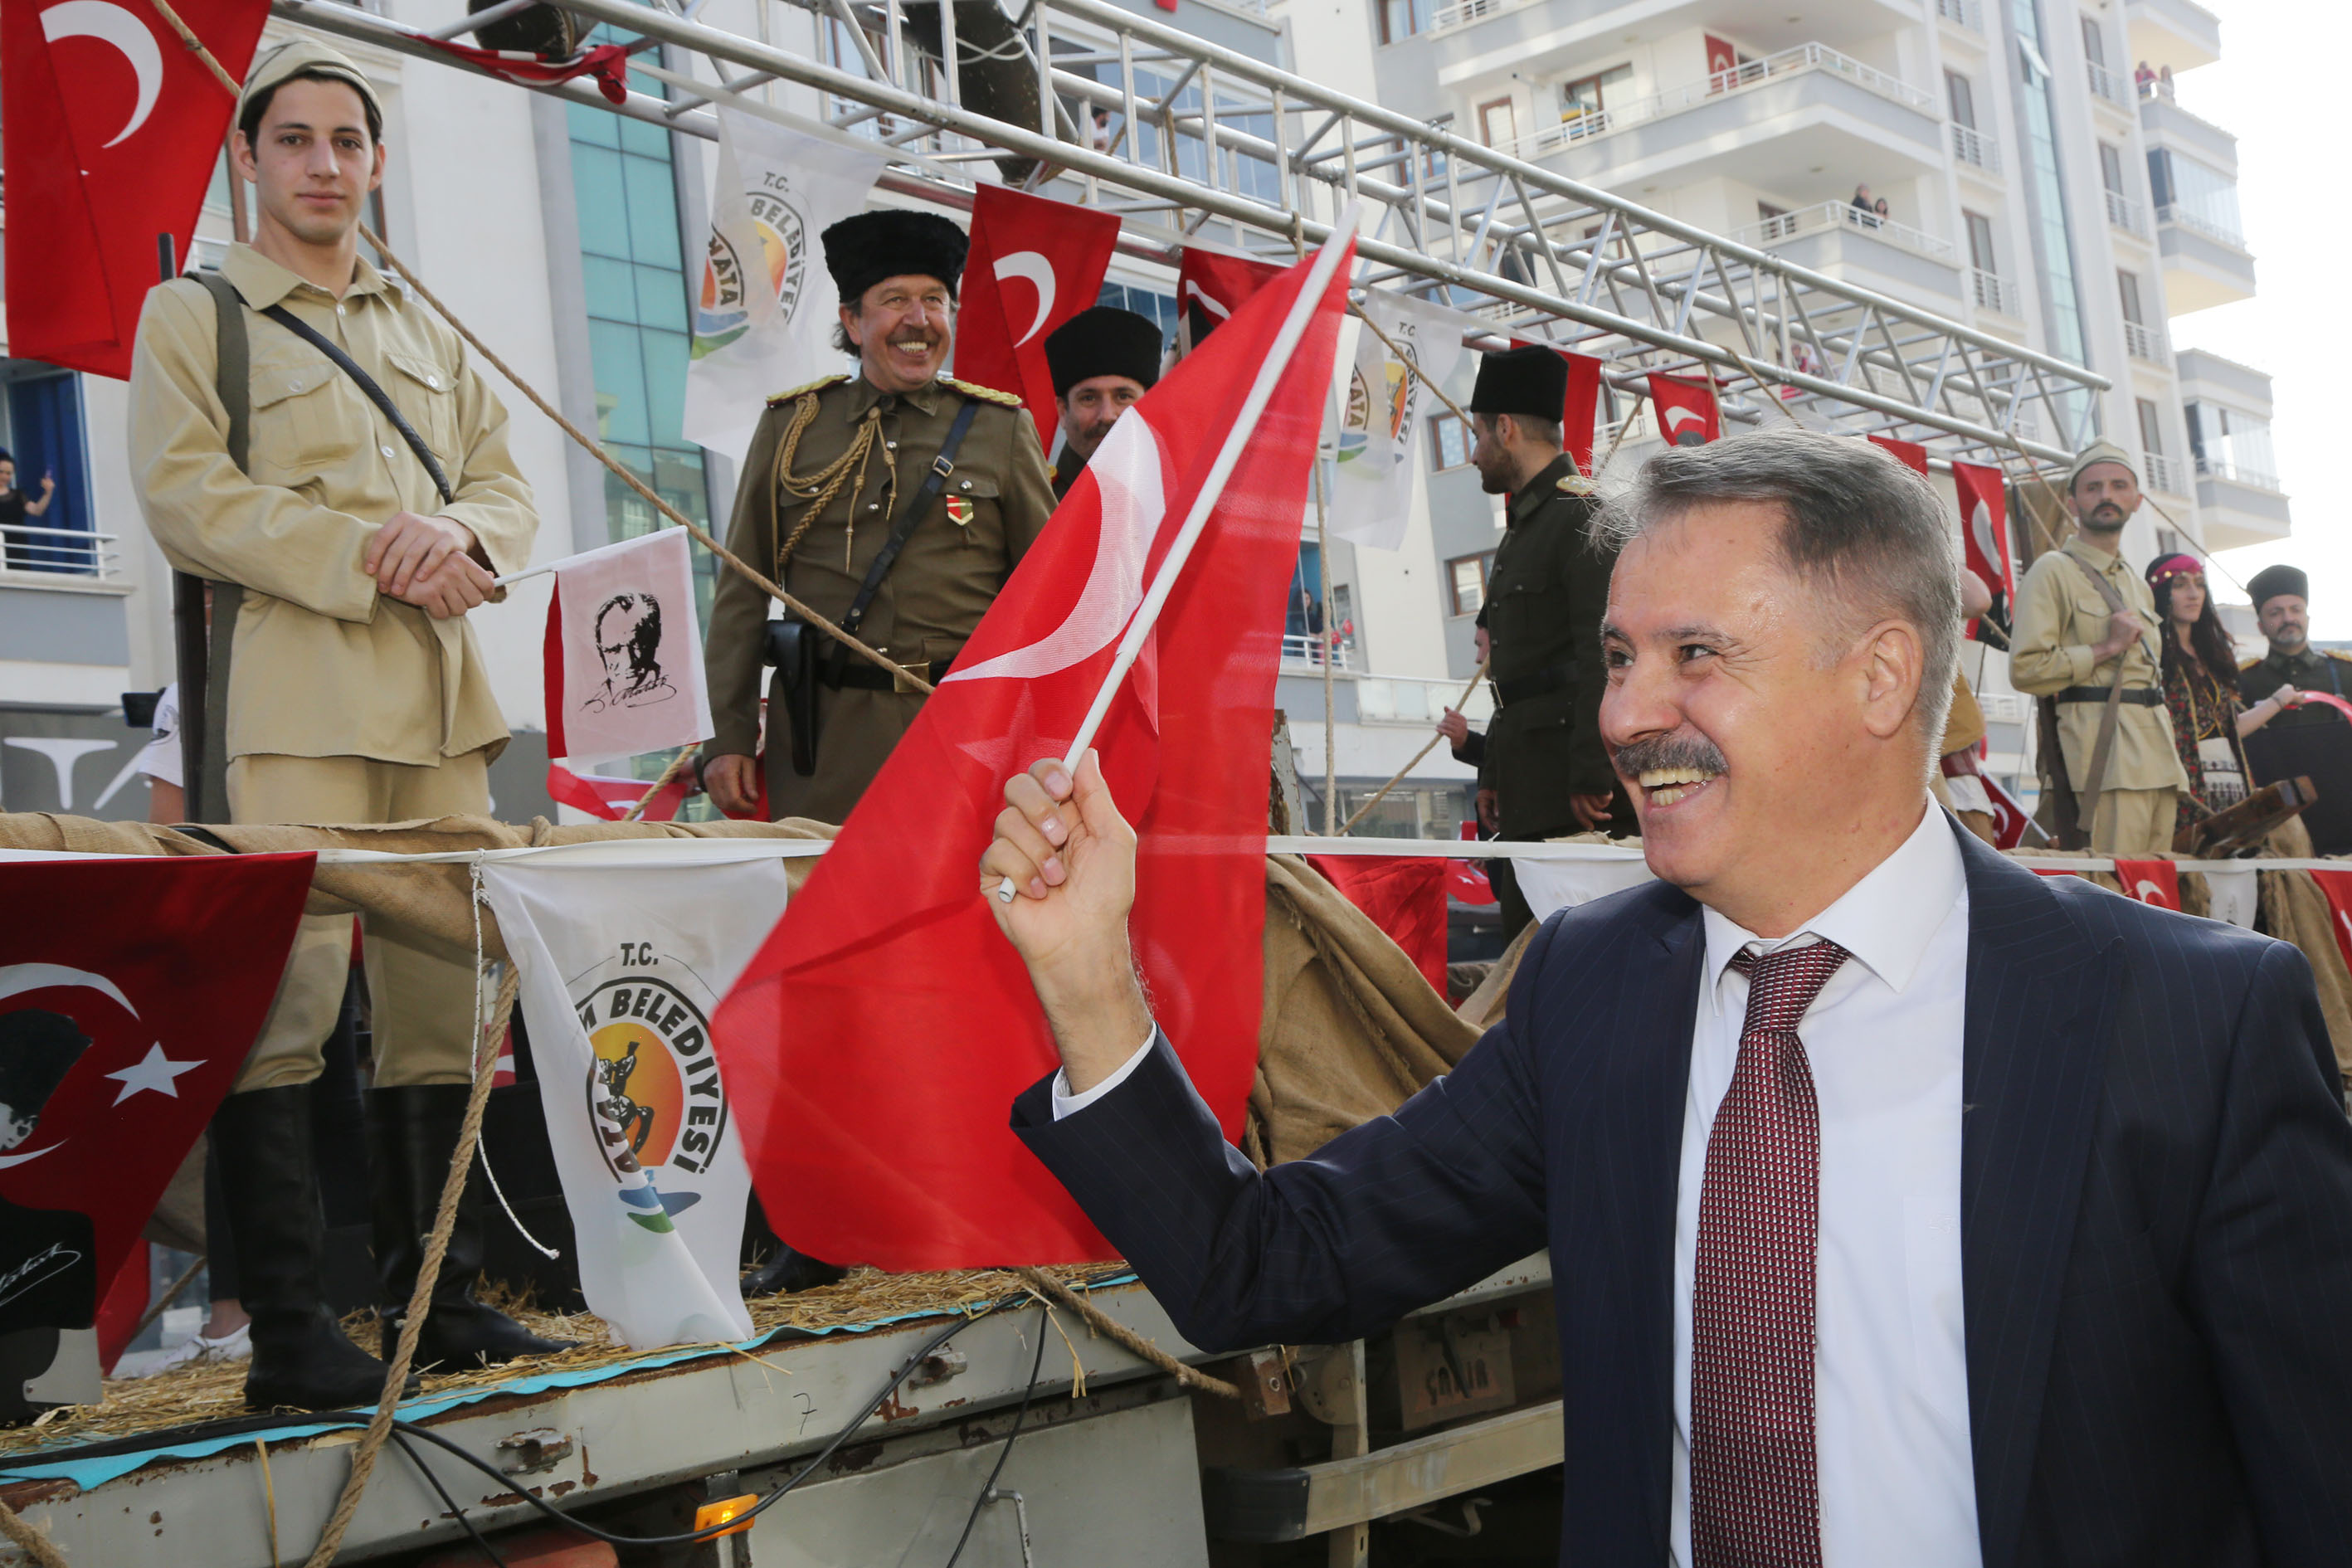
(63,551)
(1582,126)
(2218,233)
(1828,216)
(2125,215)
(1972,146)
(1462,13)
(2145,342)
(2109,85)
(2212,468)
(1966,13)
(2164,474)
(1306,649)
(1411,699)
(1991,291)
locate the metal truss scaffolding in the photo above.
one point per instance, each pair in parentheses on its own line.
(1203,144)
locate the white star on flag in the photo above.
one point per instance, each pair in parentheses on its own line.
(155,1071)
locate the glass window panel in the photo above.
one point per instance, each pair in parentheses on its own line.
(651,211)
(665,363)
(611,289)
(593,126)
(661,297)
(596,192)
(645,141)
(620,383)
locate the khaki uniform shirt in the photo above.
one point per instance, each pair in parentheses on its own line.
(2059,618)
(993,507)
(1545,598)
(323,665)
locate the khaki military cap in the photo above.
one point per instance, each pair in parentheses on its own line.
(2100,452)
(296,56)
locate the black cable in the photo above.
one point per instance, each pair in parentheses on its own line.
(695,1537)
(450,1502)
(988,1487)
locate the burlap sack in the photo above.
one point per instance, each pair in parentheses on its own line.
(2293,908)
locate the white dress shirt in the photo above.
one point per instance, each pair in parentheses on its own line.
(1884,1043)
(1890,1373)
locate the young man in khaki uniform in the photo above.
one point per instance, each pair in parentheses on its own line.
(356,690)
(830,470)
(2065,643)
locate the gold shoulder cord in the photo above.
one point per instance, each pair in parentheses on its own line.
(819,488)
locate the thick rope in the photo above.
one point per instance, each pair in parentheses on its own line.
(1120,1334)
(35,1545)
(678,764)
(1398,777)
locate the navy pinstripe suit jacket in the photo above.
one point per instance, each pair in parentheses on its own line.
(2157,1225)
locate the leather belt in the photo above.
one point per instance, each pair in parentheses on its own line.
(865,676)
(2143,695)
(1540,683)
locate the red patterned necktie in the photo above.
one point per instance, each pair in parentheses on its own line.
(1755,1497)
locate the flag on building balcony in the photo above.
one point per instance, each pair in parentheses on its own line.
(130,991)
(1686,411)
(764,317)
(113,128)
(1910,454)
(624,652)
(622,967)
(1984,531)
(1209,287)
(1033,264)
(1382,412)
(1579,410)
(875,1045)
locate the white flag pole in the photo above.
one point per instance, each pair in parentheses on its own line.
(1229,456)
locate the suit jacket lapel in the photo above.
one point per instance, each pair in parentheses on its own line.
(2040,1009)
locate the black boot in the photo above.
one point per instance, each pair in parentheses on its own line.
(788,1271)
(412,1136)
(301,1357)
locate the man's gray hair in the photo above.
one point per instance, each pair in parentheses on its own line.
(1865,532)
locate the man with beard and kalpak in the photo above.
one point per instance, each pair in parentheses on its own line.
(1103,361)
(2081,610)
(895,502)
(2282,597)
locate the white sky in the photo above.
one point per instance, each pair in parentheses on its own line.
(2279,87)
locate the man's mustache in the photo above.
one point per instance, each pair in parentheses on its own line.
(1672,751)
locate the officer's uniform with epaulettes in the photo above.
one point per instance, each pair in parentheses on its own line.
(993,506)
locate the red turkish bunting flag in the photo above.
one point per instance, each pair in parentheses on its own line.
(1466,879)
(1210,288)
(1579,410)
(1910,454)
(130,991)
(1405,897)
(1034,265)
(112,126)
(609,798)
(873,1044)
(2337,888)
(2009,816)
(1686,411)
(1984,527)
(2154,882)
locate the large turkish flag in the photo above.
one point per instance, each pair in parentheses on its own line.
(130,992)
(873,1048)
(112,128)
(1034,265)
(1209,287)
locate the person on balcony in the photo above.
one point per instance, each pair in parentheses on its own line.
(15,508)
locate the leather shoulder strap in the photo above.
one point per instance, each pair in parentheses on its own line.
(232,363)
(912,514)
(2106,590)
(375,393)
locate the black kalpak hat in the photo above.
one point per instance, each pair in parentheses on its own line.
(892,242)
(1531,381)
(2272,581)
(1103,341)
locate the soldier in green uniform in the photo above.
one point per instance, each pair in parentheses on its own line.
(835,470)
(1103,360)
(2282,597)
(1545,597)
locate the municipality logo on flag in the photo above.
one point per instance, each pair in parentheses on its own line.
(756,269)
(653,1086)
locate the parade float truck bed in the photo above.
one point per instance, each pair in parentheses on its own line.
(1402,1436)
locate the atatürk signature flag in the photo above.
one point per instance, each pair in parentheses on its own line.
(130,992)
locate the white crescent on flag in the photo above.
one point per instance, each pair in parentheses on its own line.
(1980,530)
(1031,265)
(112,24)
(22,977)
(1677,417)
(1127,470)
(1221,312)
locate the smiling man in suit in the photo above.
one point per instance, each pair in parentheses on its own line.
(1904,1207)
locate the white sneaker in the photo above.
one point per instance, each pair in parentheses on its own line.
(234,1345)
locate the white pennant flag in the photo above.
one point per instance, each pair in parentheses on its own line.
(624,652)
(1380,427)
(622,966)
(763,320)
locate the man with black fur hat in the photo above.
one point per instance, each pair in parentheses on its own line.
(894,502)
(2282,597)
(1545,597)
(1104,360)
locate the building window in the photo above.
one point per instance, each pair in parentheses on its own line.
(2151,427)
(1499,124)
(1403,18)
(2202,195)
(1981,254)
(1449,442)
(42,431)
(1588,95)
(2111,168)
(1962,98)
(2094,42)
(2231,445)
(1466,575)
(2128,286)
(1160,309)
